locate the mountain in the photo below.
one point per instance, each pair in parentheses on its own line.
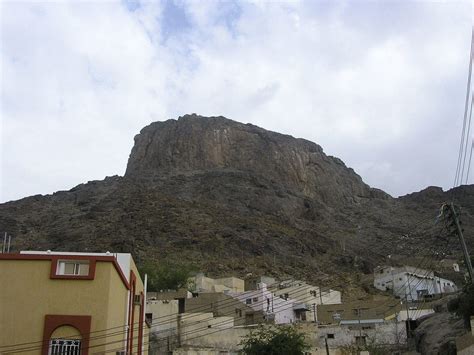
(233,197)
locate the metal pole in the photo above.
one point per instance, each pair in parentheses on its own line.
(9,240)
(4,242)
(467,258)
(408,317)
(327,347)
(145,290)
(360,328)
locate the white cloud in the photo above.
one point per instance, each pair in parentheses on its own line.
(379,86)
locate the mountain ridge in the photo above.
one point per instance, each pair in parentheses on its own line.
(249,200)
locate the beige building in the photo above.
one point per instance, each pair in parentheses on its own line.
(353,311)
(201,283)
(222,305)
(163,317)
(71,303)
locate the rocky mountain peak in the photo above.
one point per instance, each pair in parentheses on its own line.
(193,144)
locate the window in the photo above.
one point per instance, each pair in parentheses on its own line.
(330,336)
(73,267)
(149,317)
(248,301)
(360,341)
(255,299)
(238,312)
(64,347)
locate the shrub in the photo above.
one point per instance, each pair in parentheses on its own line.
(282,340)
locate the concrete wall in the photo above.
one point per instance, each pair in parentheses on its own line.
(202,283)
(382,334)
(227,341)
(363,309)
(164,329)
(233,283)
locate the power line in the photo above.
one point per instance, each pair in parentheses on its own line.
(468,89)
(192,314)
(12,351)
(469,165)
(467,138)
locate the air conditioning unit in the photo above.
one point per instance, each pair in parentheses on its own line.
(137,300)
(121,352)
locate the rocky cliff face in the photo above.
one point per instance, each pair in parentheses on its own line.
(236,198)
(195,144)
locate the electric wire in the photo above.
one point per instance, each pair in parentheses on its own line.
(470,159)
(468,89)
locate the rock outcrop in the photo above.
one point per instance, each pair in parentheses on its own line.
(194,144)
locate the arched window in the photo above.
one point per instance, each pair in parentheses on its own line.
(66,335)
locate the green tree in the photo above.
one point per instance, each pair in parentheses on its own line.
(166,275)
(282,340)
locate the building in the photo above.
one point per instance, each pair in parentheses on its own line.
(162,315)
(201,283)
(224,305)
(352,337)
(411,283)
(180,295)
(308,295)
(276,309)
(252,282)
(63,303)
(364,310)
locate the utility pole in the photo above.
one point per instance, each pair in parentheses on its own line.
(408,317)
(456,223)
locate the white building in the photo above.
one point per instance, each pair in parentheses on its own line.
(308,295)
(410,282)
(281,310)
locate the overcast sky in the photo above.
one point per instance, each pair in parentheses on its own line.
(379,84)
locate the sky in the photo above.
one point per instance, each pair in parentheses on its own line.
(379,84)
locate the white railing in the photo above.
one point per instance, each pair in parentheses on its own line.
(64,347)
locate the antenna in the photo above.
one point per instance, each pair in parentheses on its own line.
(4,243)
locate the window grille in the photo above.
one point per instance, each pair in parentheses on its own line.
(64,347)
